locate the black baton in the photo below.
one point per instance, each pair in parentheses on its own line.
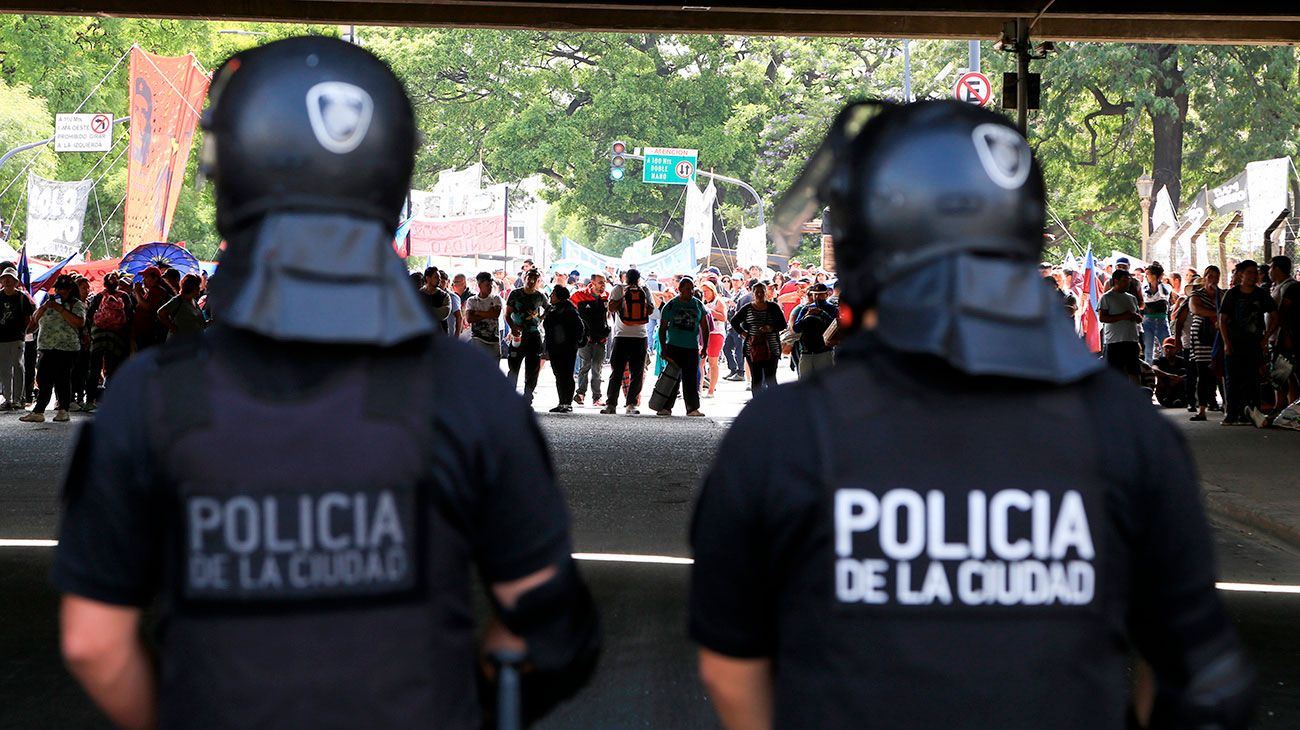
(509,693)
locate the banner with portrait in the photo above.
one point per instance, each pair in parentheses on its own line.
(166,98)
(56,216)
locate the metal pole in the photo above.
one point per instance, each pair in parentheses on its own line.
(907,70)
(1145,204)
(1022,75)
(974,62)
(723,178)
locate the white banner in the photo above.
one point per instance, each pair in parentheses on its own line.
(56,216)
(639,251)
(751,247)
(471,178)
(1266,184)
(458,221)
(698,222)
(1162,213)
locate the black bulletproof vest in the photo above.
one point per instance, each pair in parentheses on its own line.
(312,579)
(961,570)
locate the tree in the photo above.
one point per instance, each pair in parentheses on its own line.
(63,59)
(1188,115)
(26,119)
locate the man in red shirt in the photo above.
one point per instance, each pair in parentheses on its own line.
(593,307)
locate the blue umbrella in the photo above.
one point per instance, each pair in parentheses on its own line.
(153,254)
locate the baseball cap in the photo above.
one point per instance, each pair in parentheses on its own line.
(10,271)
(1169,342)
(1121,261)
(819,288)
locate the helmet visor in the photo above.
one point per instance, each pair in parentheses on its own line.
(803,200)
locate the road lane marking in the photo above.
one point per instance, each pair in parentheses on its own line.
(1257,587)
(672,560)
(630,558)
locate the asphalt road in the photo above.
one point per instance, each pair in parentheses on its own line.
(630,484)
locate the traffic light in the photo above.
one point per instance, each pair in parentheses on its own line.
(616,161)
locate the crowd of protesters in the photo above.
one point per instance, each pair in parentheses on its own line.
(1197,340)
(1194,340)
(65,344)
(709,327)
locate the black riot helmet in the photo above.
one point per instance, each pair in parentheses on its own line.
(938,225)
(308,124)
(312,142)
(925,180)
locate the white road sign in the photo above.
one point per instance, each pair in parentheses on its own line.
(83,132)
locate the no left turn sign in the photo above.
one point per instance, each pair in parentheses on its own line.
(100,123)
(973,88)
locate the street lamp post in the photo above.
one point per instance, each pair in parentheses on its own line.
(1144,185)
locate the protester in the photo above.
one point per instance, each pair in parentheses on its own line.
(455,322)
(1118,312)
(525,309)
(150,293)
(109,315)
(631,306)
(1156,296)
(16,311)
(564,330)
(1286,334)
(592,302)
(810,325)
(81,361)
(58,339)
(1245,343)
(483,313)
(760,322)
(717,320)
(685,326)
(1171,370)
(182,316)
(436,299)
(1204,305)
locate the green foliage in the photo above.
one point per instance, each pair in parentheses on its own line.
(549,103)
(26,119)
(1097,132)
(62,60)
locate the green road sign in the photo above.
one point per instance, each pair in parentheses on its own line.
(669,166)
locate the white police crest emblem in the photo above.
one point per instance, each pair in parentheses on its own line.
(340,115)
(1004,154)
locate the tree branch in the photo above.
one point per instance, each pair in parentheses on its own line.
(1107,109)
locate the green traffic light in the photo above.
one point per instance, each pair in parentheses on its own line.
(616,173)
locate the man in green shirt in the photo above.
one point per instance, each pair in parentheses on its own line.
(525,309)
(684,325)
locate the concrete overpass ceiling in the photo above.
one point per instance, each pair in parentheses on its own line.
(1190,21)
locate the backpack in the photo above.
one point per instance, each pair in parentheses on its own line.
(595,316)
(634,308)
(111,313)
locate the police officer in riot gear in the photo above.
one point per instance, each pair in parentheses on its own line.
(301,492)
(985,523)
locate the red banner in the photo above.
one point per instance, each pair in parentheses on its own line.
(166,98)
(458,236)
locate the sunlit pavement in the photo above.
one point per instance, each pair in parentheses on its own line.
(630,484)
